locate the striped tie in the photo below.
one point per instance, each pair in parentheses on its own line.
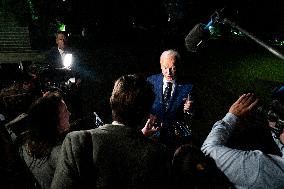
(167,95)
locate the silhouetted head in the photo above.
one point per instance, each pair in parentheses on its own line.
(48,121)
(131,100)
(192,169)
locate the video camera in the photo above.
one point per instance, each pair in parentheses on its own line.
(274,112)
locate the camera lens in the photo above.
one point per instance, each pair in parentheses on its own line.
(272,116)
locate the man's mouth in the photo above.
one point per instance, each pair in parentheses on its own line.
(169,77)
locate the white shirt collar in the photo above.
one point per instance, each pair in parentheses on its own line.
(173,81)
(116,123)
(173,86)
(60,51)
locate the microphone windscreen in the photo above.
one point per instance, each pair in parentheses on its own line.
(196,37)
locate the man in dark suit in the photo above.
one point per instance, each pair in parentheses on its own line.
(116,155)
(56,54)
(58,70)
(171,102)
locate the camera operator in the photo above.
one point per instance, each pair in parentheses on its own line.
(63,71)
(244,169)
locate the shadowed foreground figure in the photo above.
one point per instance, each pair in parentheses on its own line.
(13,170)
(193,170)
(116,155)
(48,123)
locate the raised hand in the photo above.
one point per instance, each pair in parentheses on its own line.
(243,105)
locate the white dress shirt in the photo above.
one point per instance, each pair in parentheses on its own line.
(165,85)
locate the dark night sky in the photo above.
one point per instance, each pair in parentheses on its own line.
(253,15)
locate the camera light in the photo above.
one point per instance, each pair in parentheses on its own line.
(67,62)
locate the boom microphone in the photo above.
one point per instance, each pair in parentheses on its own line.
(196,37)
(200,33)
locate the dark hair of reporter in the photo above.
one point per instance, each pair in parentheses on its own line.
(192,169)
(43,119)
(131,100)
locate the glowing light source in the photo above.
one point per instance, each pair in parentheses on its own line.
(61,27)
(67,61)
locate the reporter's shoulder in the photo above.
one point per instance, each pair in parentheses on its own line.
(78,135)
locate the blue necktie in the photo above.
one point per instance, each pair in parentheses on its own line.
(167,95)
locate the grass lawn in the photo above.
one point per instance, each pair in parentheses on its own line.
(226,70)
